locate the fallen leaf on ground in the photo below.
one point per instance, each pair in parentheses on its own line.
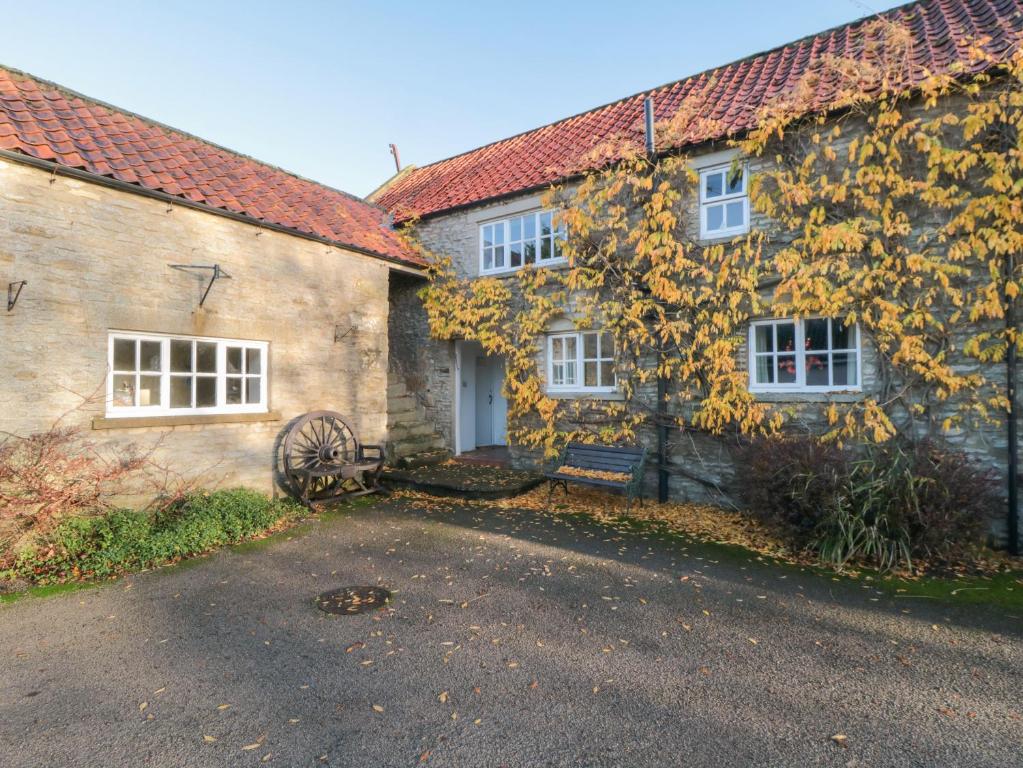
(377,708)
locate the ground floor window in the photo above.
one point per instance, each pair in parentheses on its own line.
(813,355)
(581,362)
(152,374)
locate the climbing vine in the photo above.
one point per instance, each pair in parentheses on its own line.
(899,211)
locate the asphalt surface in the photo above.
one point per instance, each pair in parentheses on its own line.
(512,640)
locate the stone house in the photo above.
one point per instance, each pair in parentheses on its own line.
(112,230)
(483,209)
(166,291)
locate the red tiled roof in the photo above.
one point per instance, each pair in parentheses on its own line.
(47,122)
(940,30)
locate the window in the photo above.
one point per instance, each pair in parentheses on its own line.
(814,355)
(581,362)
(512,243)
(724,201)
(153,375)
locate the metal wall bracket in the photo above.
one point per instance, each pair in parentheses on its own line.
(13,292)
(215,269)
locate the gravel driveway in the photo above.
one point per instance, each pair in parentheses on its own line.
(512,640)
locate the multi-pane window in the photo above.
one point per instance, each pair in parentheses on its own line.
(168,375)
(582,361)
(817,354)
(724,201)
(512,243)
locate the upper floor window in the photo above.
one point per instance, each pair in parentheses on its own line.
(156,375)
(531,238)
(581,362)
(724,201)
(813,355)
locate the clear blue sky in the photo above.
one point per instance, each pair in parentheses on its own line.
(321,88)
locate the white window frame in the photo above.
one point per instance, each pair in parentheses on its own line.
(557,234)
(579,361)
(723,199)
(165,374)
(800,352)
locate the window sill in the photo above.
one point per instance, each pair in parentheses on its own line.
(558,264)
(842,396)
(707,238)
(138,422)
(583,395)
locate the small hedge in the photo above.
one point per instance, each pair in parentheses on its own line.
(885,506)
(103,545)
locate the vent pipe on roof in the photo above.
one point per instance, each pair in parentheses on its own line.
(648,116)
(397,157)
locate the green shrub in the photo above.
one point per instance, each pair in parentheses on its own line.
(886,505)
(123,540)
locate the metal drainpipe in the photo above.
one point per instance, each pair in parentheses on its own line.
(1013,414)
(662,383)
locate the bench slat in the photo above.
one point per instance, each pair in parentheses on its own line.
(591,458)
(604,451)
(586,480)
(608,448)
(601,465)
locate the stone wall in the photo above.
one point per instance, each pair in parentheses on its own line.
(97,259)
(706,466)
(425,366)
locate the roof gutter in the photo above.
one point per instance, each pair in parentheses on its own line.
(124,186)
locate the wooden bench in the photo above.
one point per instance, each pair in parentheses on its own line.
(626,461)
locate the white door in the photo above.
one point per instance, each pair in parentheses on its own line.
(491,407)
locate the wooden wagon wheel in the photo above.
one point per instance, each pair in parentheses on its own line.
(318,445)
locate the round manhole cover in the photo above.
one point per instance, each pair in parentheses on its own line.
(347,601)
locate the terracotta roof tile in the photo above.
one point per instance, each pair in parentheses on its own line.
(48,123)
(939,30)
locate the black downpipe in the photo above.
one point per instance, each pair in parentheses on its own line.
(662,383)
(1013,414)
(662,434)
